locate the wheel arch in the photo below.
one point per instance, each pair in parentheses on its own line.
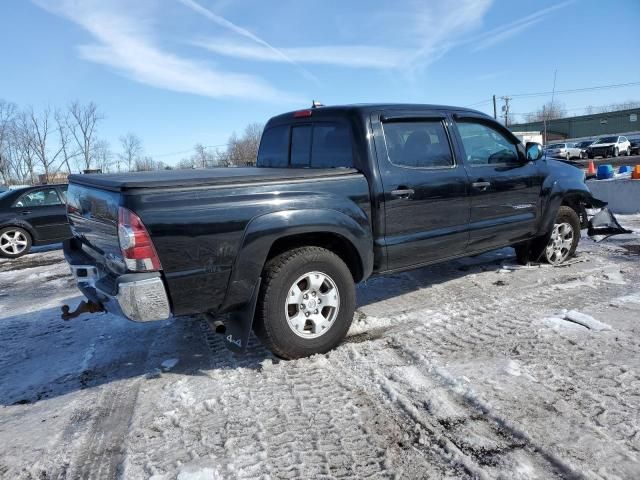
(271,234)
(573,193)
(23,225)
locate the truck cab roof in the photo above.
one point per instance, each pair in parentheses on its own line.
(363,109)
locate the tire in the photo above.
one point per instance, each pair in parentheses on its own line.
(282,323)
(564,237)
(14,242)
(615,152)
(568,156)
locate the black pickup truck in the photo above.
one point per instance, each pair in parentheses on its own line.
(339,194)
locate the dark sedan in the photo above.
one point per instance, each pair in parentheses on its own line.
(635,146)
(32,216)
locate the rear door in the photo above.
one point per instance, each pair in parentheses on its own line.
(425,189)
(504,186)
(44,210)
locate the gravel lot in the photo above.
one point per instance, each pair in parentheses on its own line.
(476,368)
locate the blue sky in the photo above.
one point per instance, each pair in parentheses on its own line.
(181,72)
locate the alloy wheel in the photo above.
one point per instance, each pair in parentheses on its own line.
(560,243)
(13,242)
(312,305)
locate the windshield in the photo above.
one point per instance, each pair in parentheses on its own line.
(607,140)
(584,144)
(556,145)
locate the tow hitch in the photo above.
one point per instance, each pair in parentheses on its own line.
(83,307)
(604,225)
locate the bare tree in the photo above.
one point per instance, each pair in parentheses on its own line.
(64,139)
(39,133)
(25,154)
(201,157)
(186,164)
(103,156)
(242,151)
(131,151)
(629,104)
(549,111)
(82,126)
(7,125)
(145,164)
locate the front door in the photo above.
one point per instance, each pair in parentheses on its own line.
(425,190)
(504,186)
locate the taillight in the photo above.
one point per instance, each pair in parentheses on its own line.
(137,249)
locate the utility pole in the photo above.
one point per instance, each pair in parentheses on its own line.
(505,109)
(495,112)
(544,116)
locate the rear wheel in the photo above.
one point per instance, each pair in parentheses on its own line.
(14,242)
(564,237)
(306,304)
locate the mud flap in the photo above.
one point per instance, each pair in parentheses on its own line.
(604,225)
(238,327)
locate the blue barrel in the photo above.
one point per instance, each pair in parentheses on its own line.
(625,169)
(604,171)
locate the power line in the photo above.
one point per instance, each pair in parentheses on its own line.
(559,92)
(575,90)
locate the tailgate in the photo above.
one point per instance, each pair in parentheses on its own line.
(93,217)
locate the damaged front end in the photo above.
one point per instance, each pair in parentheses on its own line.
(601,223)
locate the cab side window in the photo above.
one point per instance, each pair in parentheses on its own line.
(485,146)
(38,198)
(418,144)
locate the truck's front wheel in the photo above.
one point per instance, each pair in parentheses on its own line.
(306,303)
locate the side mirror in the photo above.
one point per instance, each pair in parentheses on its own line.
(534,151)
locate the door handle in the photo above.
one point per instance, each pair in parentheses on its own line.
(25,212)
(481,185)
(402,192)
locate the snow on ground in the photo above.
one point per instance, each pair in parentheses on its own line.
(477,368)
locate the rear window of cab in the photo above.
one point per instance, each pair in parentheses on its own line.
(309,145)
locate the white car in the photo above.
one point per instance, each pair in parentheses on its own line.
(566,151)
(610,147)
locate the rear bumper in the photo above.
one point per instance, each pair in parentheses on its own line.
(141,297)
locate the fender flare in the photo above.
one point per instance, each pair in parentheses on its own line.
(262,232)
(556,195)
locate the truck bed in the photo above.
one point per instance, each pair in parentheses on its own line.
(201,177)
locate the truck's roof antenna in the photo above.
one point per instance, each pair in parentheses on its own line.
(316,104)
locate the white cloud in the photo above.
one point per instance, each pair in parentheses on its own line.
(428,31)
(223,22)
(502,33)
(124,42)
(355,56)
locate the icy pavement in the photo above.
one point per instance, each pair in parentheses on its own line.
(477,368)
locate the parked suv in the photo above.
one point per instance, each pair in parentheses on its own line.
(610,147)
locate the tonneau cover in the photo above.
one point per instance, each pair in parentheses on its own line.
(205,176)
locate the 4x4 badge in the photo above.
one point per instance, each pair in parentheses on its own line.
(237,342)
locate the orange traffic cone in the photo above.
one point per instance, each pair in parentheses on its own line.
(635,174)
(591,171)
